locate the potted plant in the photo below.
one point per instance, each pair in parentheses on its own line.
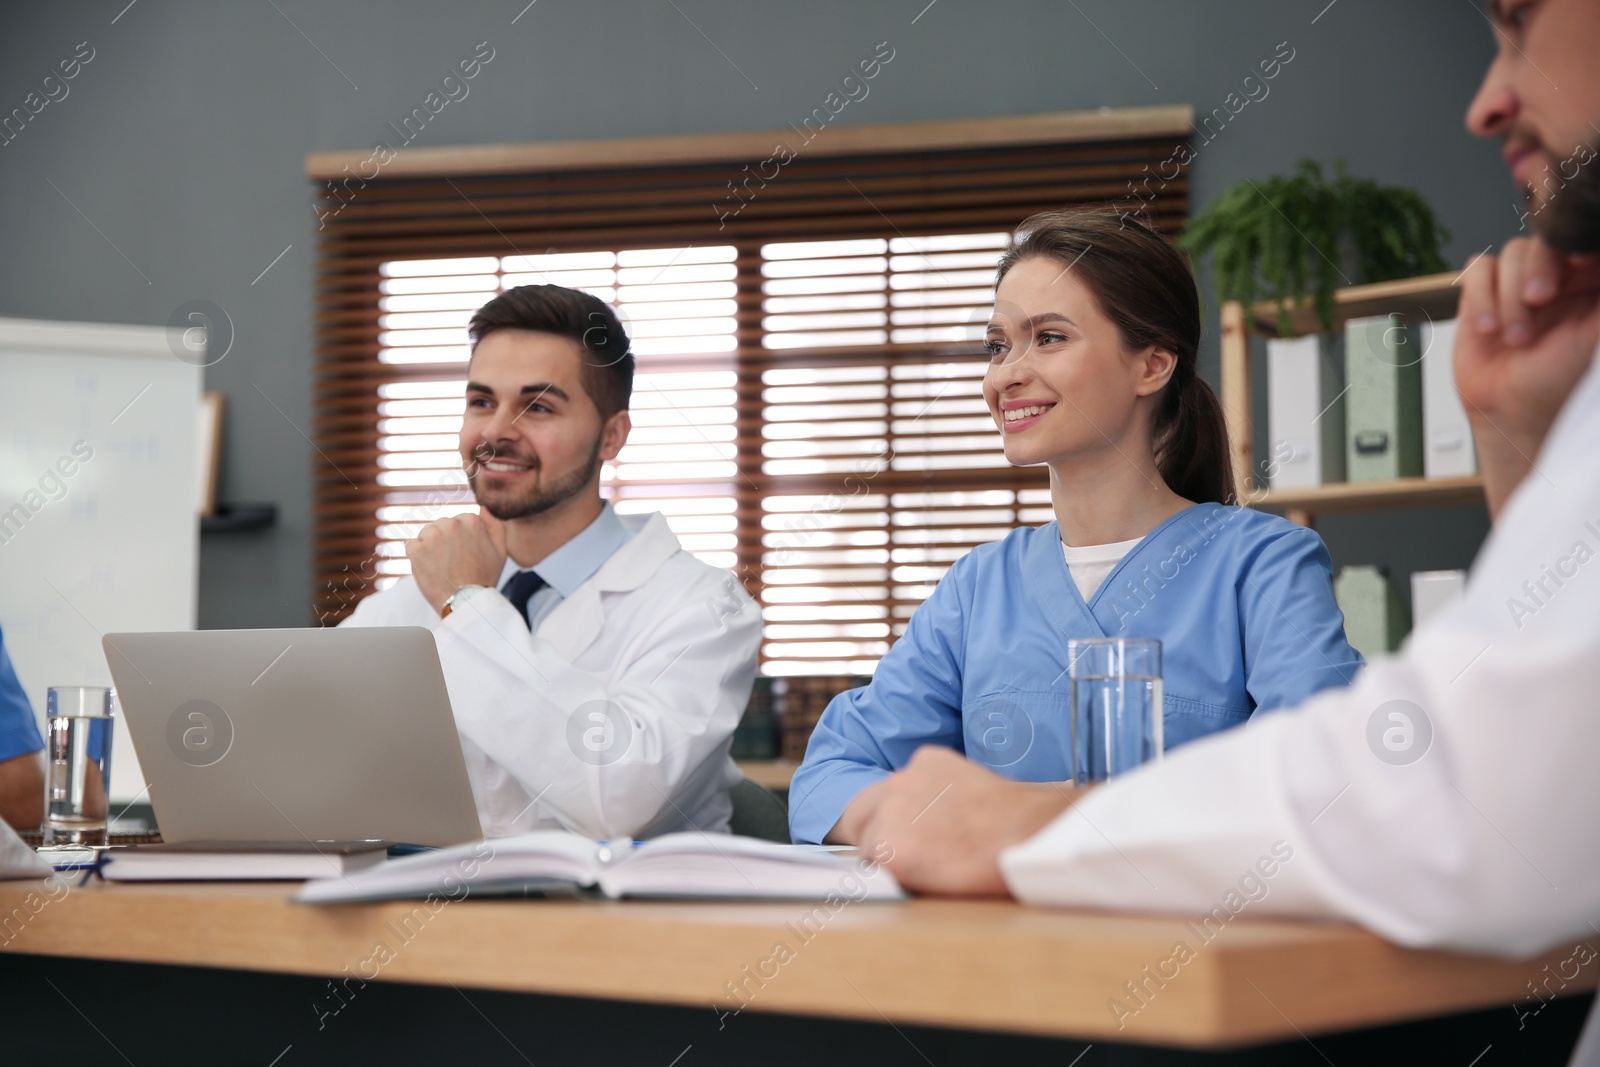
(1284,238)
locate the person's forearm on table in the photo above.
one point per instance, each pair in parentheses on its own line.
(22,790)
(945,820)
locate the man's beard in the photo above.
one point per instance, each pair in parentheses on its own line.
(1569,217)
(542,497)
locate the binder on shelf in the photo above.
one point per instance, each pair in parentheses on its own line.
(1374,618)
(1305,412)
(1383,411)
(1446,437)
(1432,591)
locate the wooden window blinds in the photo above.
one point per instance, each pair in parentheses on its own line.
(807,409)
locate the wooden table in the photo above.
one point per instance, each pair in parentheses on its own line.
(977,965)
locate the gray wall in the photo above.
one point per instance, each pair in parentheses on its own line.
(183,143)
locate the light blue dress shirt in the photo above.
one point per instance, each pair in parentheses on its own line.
(19,730)
(1241,601)
(569,566)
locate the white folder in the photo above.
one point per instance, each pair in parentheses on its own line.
(1446,437)
(1432,591)
(1305,412)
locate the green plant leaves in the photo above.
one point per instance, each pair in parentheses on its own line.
(1279,239)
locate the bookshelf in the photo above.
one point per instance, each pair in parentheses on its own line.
(1434,296)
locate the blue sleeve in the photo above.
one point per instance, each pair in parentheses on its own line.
(914,699)
(1293,630)
(19,731)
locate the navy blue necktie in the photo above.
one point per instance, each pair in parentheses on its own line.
(518,588)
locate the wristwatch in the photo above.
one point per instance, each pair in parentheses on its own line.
(460,596)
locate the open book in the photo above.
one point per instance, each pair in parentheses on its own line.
(684,865)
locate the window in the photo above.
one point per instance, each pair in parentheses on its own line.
(680,458)
(807,409)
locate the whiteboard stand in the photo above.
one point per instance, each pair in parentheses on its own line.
(113,545)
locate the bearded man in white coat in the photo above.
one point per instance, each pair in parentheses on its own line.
(597,670)
(1473,827)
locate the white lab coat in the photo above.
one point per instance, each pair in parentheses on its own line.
(616,717)
(1489,841)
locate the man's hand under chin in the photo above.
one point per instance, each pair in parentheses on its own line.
(1530,323)
(946,819)
(461,550)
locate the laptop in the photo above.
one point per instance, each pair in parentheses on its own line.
(295,737)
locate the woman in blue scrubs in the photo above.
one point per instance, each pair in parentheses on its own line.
(1093,345)
(21,768)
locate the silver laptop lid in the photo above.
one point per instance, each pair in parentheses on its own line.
(295,735)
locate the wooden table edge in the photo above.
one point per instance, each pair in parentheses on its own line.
(969,965)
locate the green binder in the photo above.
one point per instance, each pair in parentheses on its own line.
(1383,409)
(1375,621)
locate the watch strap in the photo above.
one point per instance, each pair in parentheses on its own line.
(460,596)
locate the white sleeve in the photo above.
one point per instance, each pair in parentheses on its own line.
(402,604)
(609,750)
(1468,822)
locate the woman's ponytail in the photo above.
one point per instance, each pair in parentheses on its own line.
(1191,443)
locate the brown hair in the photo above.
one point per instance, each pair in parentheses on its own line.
(1143,284)
(584,319)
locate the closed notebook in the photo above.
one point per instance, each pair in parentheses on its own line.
(553,862)
(201,863)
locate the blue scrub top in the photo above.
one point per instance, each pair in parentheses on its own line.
(19,731)
(1241,601)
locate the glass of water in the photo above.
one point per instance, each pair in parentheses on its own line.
(1116,705)
(78,779)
